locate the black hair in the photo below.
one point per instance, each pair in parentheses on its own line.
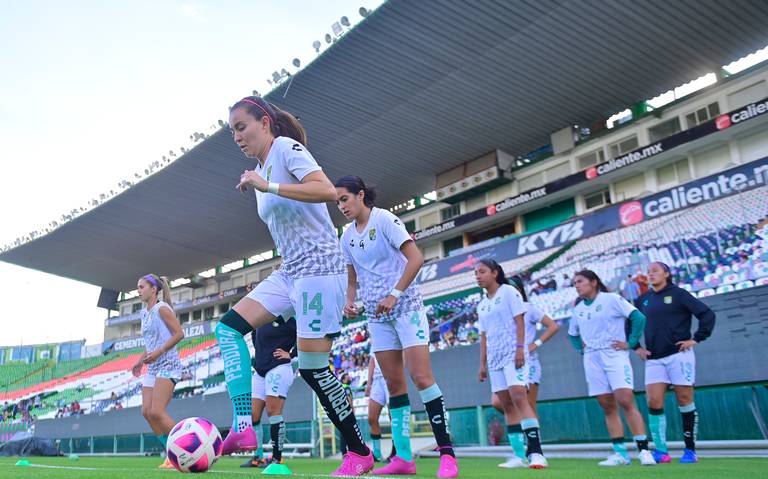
(517,282)
(281,123)
(355,184)
(493,265)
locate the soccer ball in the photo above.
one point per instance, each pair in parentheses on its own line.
(194,445)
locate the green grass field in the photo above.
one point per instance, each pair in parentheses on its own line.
(140,468)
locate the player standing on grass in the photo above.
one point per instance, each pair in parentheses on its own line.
(597,330)
(274,345)
(290,190)
(669,356)
(162,332)
(384,259)
(533,317)
(504,353)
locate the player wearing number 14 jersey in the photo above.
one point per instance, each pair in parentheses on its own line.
(290,191)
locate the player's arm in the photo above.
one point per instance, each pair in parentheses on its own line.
(350,308)
(483,357)
(520,346)
(637,321)
(574,335)
(314,188)
(369,382)
(702,312)
(552,329)
(415,260)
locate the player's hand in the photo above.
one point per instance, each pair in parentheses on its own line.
(483,374)
(367,391)
(252,179)
(280,354)
(532,347)
(519,358)
(684,346)
(385,305)
(136,369)
(350,310)
(152,357)
(642,353)
(620,346)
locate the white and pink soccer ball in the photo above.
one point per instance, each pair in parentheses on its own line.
(194,445)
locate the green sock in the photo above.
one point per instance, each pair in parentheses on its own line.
(400,410)
(516,439)
(657,423)
(619,447)
(376,440)
(258,453)
(237,373)
(164,440)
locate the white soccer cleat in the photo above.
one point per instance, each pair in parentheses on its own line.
(513,462)
(615,459)
(537,461)
(646,458)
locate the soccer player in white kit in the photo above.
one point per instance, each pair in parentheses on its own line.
(378,397)
(597,330)
(384,259)
(533,317)
(503,351)
(161,331)
(290,190)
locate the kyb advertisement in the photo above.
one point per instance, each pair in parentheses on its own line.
(726,183)
(721,122)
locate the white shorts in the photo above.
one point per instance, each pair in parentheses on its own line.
(503,379)
(316,301)
(534,370)
(276,383)
(379,391)
(678,369)
(607,370)
(409,329)
(148,381)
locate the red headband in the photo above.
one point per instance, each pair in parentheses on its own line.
(247,100)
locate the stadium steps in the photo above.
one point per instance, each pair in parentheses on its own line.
(755,448)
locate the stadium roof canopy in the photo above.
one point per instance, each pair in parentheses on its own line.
(415,89)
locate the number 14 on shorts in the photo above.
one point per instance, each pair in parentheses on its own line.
(316,305)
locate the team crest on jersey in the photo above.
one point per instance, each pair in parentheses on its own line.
(667,299)
(372,234)
(269,172)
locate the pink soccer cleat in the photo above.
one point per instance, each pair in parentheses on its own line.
(448,466)
(354,465)
(397,467)
(244,440)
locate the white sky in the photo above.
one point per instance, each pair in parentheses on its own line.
(94,91)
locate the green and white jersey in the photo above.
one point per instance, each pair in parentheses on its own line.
(497,320)
(601,322)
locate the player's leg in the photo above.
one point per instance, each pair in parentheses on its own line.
(412,329)
(516,379)
(318,302)
(374,411)
(158,412)
(615,430)
(258,396)
(148,385)
(534,378)
(392,368)
(275,406)
(620,377)
(657,420)
(683,376)
(515,435)
(267,301)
